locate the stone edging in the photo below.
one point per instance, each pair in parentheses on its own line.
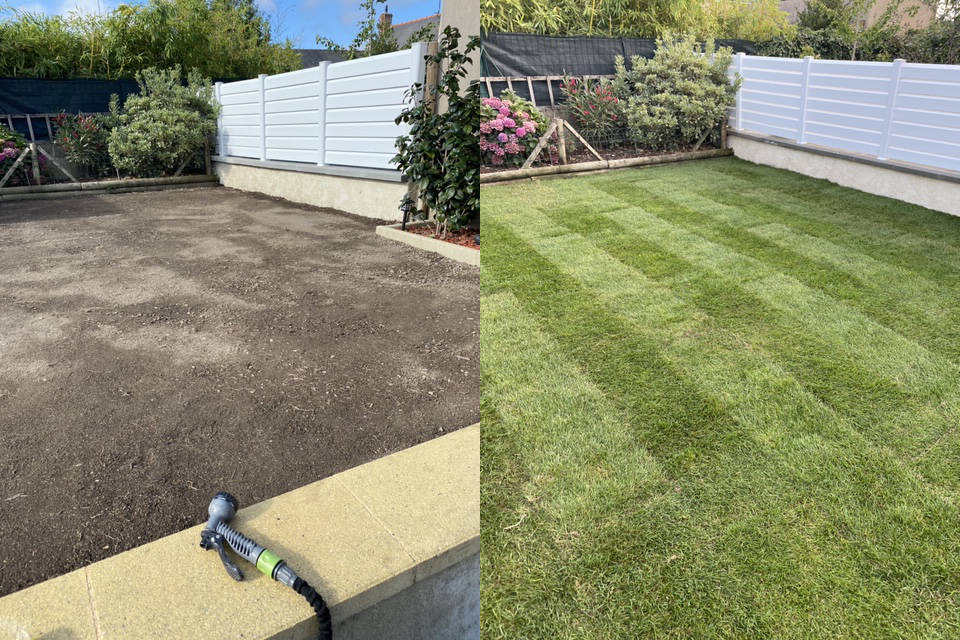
(601,165)
(456,252)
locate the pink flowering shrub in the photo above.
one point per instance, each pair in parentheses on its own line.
(594,109)
(509,129)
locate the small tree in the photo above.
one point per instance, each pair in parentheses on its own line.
(375,36)
(441,154)
(164,127)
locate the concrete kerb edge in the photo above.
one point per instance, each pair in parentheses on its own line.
(466,255)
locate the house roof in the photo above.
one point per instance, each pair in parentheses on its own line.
(403,30)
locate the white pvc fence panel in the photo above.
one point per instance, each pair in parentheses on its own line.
(338,113)
(891,110)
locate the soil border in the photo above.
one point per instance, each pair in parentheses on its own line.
(457,252)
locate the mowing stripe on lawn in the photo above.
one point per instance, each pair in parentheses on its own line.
(882,411)
(900,285)
(886,352)
(883,226)
(785,448)
(576,448)
(836,282)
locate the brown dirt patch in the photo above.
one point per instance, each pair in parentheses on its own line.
(157,347)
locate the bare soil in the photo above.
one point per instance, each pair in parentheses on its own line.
(158,347)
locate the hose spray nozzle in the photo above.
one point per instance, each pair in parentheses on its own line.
(218,533)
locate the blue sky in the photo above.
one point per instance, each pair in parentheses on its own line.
(300,20)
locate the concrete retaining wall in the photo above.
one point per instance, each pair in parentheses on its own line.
(913,184)
(371,195)
(393,546)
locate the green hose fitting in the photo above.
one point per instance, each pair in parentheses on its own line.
(267,562)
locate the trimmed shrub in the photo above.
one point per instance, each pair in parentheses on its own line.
(163,128)
(678,97)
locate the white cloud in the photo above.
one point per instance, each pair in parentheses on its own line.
(29,7)
(85,6)
(267,6)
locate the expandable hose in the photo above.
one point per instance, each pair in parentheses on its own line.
(222,509)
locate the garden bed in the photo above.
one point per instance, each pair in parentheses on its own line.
(158,347)
(462,246)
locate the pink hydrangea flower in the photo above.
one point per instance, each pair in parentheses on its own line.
(503,137)
(505,111)
(485,127)
(497,159)
(530,125)
(510,123)
(498,151)
(496,125)
(521,132)
(511,147)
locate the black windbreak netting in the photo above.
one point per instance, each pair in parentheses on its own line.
(524,54)
(30,95)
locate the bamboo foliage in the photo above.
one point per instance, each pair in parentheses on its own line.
(219,38)
(748,19)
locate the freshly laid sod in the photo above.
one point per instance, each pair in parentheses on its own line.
(719,401)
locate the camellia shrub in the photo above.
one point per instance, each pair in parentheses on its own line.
(84,140)
(594,109)
(677,98)
(164,128)
(440,154)
(509,129)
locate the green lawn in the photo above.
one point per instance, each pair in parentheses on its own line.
(719,401)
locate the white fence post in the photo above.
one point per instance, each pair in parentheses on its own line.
(418,66)
(895,70)
(739,105)
(221,148)
(263,116)
(322,139)
(804,90)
